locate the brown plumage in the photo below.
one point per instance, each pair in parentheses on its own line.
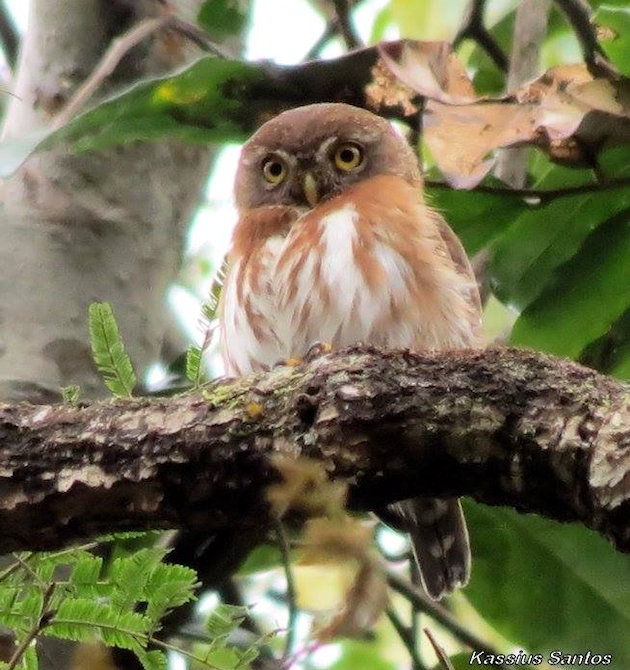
(335,244)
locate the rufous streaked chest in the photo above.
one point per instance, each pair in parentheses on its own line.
(367,266)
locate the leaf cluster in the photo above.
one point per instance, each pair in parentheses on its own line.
(75,595)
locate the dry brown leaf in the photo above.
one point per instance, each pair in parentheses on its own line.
(462,138)
(429,68)
(305,488)
(566,111)
(328,541)
(365,603)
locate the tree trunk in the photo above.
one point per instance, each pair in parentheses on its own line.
(79,228)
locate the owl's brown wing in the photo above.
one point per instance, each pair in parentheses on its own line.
(455,250)
(437,527)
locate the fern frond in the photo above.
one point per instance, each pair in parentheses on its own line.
(210,306)
(168,587)
(82,619)
(224,619)
(152,660)
(194,372)
(208,323)
(30,660)
(108,350)
(130,575)
(70,394)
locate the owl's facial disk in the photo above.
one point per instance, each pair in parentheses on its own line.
(305,178)
(310,154)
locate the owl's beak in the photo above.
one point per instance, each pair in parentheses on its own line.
(309,184)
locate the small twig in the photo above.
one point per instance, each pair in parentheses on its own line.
(8,36)
(578,13)
(544,195)
(406,638)
(45,617)
(9,570)
(119,47)
(437,612)
(283,543)
(472,27)
(439,652)
(331,30)
(108,63)
(197,36)
(415,611)
(27,568)
(344,23)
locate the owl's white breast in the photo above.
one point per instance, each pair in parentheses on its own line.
(248,315)
(340,279)
(329,285)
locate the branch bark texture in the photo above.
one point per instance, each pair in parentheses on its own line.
(505,426)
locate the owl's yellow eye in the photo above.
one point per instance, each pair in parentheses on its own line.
(274,170)
(348,156)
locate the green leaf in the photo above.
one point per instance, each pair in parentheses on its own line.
(245,658)
(84,579)
(208,101)
(71,394)
(169,586)
(382,21)
(222,658)
(81,619)
(152,660)
(224,619)
(108,350)
(528,256)
(546,585)
(586,296)
(223,18)
(86,570)
(459,662)
(477,218)
(12,614)
(30,660)
(611,353)
(487,77)
(357,654)
(131,574)
(617,48)
(263,557)
(194,370)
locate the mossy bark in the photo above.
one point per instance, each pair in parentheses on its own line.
(505,426)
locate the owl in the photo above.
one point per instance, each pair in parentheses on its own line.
(335,244)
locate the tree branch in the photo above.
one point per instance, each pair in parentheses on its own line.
(578,13)
(9,37)
(472,27)
(505,426)
(332,29)
(544,196)
(344,21)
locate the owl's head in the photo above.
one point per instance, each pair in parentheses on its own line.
(309,154)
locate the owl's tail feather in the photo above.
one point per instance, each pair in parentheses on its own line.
(440,542)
